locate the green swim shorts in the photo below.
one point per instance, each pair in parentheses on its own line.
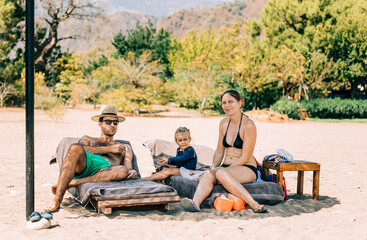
(94,164)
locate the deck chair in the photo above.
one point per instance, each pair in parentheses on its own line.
(104,196)
(263,192)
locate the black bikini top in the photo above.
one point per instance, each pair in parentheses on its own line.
(237,142)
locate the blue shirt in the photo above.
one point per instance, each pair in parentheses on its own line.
(186,158)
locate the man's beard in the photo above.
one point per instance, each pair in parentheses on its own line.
(108,133)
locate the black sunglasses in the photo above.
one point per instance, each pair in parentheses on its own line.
(108,122)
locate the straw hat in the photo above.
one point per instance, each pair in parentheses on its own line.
(107,111)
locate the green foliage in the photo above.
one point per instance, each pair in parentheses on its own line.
(128,99)
(71,80)
(146,38)
(334,28)
(95,64)
(198,63)
(51,105)
(131,83)
(323,108)
(344,37)
(336,108)
(11,56)
(286,106)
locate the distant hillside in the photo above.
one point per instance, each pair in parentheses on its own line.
(102,29)
(202,17)
(158,8)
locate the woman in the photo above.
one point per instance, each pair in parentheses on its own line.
(237,137)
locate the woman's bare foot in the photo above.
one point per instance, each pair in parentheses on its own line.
(260,209)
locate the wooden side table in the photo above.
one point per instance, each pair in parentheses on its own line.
(301,167)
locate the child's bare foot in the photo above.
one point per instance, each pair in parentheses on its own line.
(73,183)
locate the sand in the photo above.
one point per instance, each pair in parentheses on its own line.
(341,148)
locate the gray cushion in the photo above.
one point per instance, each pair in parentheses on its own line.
(263,192)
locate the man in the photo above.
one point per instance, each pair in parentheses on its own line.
(95,159)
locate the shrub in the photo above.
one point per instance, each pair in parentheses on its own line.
(286,106)
(336,108)
(51,105)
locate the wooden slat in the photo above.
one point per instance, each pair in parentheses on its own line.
(106,210)
(295,166)
(137,202)
(136,196)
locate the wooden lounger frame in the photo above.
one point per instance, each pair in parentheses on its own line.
(105,204)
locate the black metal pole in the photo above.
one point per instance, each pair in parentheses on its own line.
(29,106)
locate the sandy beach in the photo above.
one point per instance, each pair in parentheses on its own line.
(340,148)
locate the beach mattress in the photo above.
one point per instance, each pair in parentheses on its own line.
(263,192)
(129,192)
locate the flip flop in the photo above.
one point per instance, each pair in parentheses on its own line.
(189,205)
(47,214)
(260,210)
(35,216)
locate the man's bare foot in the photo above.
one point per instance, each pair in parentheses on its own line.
(54,206)
(53,189)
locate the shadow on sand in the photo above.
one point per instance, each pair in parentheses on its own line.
(295,205)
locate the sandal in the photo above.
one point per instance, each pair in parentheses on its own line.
(35,216)
(260,209)
(47,214)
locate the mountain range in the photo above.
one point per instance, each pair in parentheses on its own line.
(126,15)
(158,8)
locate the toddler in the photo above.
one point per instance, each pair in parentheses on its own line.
(185,157)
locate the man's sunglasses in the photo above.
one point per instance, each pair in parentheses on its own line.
(108,122)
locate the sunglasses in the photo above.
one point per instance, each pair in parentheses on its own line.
(108,122)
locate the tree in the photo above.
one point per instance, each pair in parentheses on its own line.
(197,61)
(11,57)
(254,74)
(318,75)
(334,28)
(5,91)
(71,85)
(58,11)
(130,83)
(288,66)
(145,38)
(344,38)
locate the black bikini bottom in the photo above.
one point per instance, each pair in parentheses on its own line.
(249,166)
